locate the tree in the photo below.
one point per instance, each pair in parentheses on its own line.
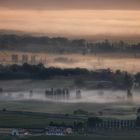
(128,81)
(93,121)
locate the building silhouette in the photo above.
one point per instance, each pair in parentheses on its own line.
(24,58)
(14,58)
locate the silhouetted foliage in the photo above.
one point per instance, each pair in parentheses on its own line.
(128,81)
(80,112)
(78,125)
(64,45)
(79,75)
(93,121)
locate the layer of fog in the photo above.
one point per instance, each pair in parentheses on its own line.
(92,62)
(124,62)
(86,96)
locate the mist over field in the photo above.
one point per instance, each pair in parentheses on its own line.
(35,90)
(124,62)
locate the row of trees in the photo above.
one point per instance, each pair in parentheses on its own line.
(26,71)
(63,45)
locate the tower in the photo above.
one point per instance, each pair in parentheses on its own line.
(24,59)
(33,59)
(14,58)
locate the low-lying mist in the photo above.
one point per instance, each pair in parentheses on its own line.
(85,96)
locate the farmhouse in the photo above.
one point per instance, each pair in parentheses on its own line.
(15,132)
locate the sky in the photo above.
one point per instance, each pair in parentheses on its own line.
(73,18)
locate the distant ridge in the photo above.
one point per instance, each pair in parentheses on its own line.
(17,32)
(98,37)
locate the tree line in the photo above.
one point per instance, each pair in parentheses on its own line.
(63,45)
(118,78)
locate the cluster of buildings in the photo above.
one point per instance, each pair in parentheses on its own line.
(58,131)
(14,131)
(50,131)
(21,58)
(26,58)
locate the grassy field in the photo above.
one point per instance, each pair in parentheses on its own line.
(31,120)
(112,110)
(40,119)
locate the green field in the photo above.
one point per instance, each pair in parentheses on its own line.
(112,110)
(39,119)
(31,120)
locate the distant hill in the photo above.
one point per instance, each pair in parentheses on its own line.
(8,32)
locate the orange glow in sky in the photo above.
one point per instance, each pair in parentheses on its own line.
(73,22)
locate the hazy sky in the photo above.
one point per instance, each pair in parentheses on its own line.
(70,4)
(72,17)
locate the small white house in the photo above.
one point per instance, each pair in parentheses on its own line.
(15,132)
(69,131)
